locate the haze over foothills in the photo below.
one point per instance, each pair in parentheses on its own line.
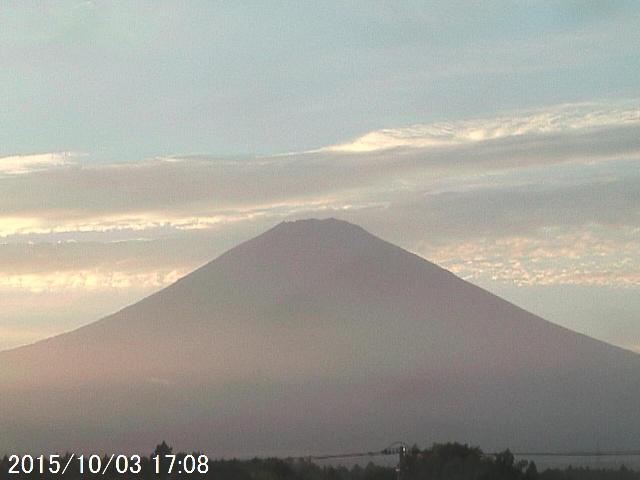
(139,140)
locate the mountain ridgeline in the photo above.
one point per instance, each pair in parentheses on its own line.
(317,336)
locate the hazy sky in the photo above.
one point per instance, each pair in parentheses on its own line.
(139,140)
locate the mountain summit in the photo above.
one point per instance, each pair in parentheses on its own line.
(318,336)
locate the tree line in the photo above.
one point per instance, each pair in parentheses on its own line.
(449,461)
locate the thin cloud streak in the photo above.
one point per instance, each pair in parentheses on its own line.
(24,164)
(560,120)
(90,280)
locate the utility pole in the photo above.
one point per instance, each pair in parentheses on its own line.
(397,448)
(402,452)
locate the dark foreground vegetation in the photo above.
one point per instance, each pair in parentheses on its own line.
(451,461)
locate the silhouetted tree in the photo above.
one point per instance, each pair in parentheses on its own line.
(531,473)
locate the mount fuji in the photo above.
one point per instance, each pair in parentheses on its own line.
(317,336)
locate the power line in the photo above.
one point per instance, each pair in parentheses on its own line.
(402,448)
(630,453)
(395,448)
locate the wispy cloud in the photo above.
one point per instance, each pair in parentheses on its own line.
(89,280)
(583,257)
(564,119)
(22,164)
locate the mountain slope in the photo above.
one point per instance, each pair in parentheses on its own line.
(313,336)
